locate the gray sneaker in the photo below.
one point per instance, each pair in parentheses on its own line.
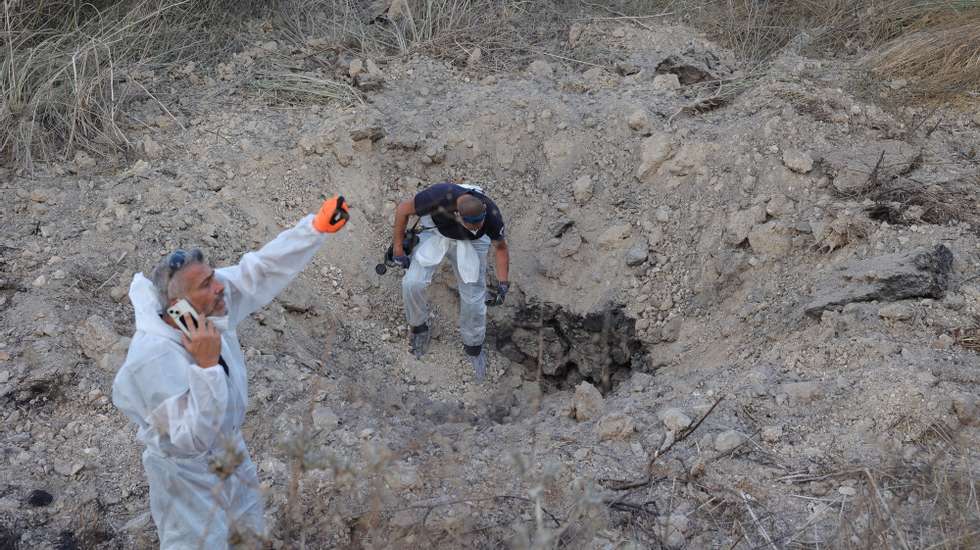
(420,341)
(479,363)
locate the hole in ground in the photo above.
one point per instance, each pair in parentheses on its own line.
(600,347)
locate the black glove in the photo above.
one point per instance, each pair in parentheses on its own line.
(498,299)
(403,261)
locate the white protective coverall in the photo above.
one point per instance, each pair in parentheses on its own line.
(187,415)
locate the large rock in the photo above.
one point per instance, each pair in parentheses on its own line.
(588,402)
(921,272)
(654,151)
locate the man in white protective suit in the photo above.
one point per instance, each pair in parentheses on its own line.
(187,391)
(460,222)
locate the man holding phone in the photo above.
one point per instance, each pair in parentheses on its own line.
(185,387)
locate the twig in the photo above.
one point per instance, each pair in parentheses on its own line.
(105,282)
(626,17)
(162,106)
(563,58)
(758,524)
(620,485)
(891,517)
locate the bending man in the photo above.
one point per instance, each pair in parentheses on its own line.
(458,221)
(187,393)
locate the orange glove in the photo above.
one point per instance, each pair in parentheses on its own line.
(333,215)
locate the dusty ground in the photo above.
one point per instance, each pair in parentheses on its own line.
(713,231)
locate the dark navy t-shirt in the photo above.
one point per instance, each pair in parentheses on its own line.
(439,201)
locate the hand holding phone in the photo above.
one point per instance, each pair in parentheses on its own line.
(179,311)
(201,339)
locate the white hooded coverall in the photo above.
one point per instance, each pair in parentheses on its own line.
(187,415)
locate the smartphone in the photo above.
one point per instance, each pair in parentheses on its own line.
(177,312)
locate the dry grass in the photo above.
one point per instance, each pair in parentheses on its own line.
(942,53)
(68,69)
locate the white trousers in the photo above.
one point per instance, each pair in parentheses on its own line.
(472,296)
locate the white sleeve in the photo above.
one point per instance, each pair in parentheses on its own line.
(192,419)
(263,274)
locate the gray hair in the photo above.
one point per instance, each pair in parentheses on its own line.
(164,278)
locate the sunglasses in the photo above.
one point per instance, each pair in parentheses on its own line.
(180,257)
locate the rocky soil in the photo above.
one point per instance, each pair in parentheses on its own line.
(805,252)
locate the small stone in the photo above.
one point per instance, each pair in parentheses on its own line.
(83,161)
(666,82)
(639,121)
(638,253)
(772,434)
(797,161)
(662,214)
(372,68)
(896,312)
(588,402)
(541,69)
(847,491)
(640,381)
(476,55)
(965,408)
(615,426)
(581,454)
(674,419)
(356,68)
(570,243)
(402,476)
(117,293)
(778,206)
(728,441)
(583,189)
(802,392)
(619,32)
(325,419)
(59,275)
(613,236)
(67,468)
(654,151)
(40,281)
(151,149)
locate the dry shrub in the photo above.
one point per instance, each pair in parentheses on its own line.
(942,52)
(931,506)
